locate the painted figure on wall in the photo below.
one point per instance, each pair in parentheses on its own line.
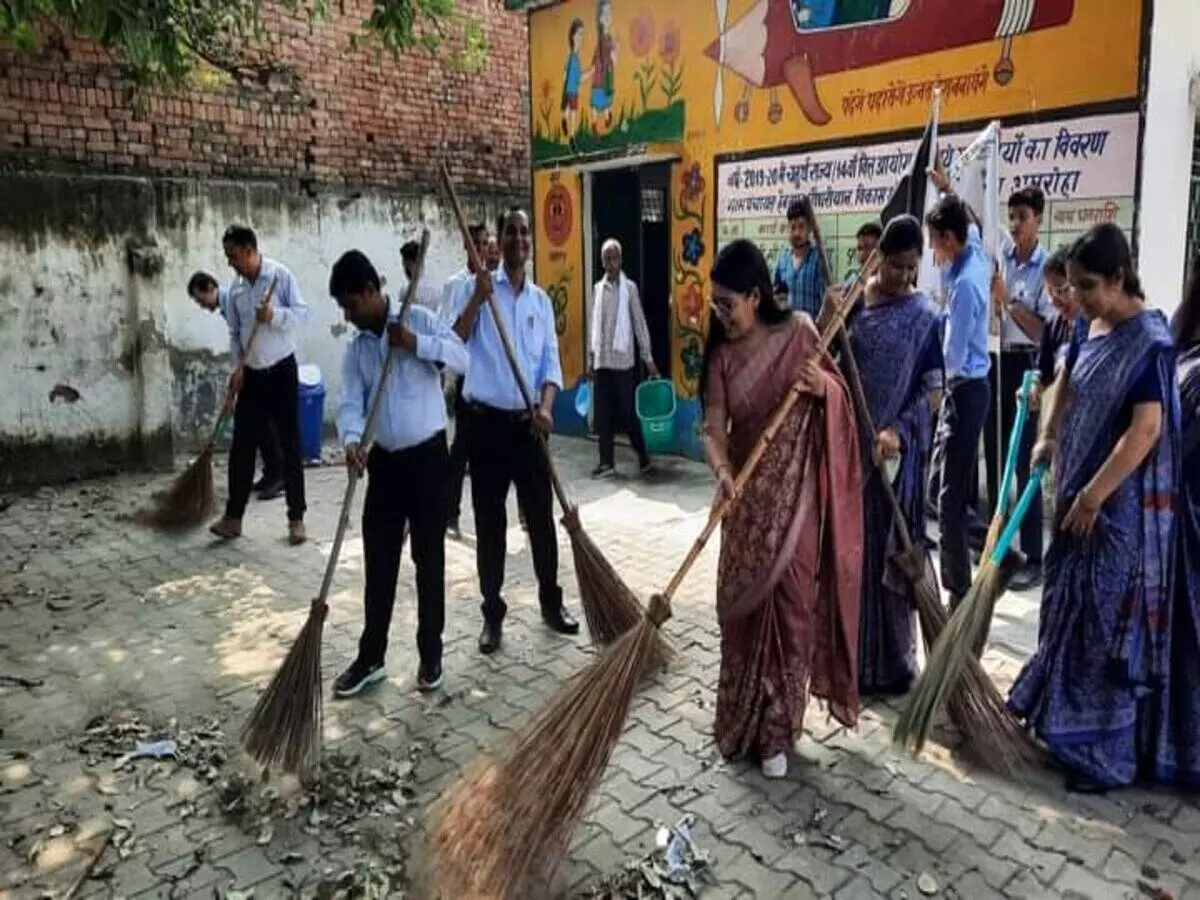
(604,65)
(572,81)
(791,43)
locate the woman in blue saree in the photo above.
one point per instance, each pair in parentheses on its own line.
(1098,685)
(895,339)
(1184,712)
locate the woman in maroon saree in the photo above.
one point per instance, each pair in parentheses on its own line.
(790,569)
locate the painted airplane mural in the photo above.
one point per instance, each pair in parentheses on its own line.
(792,43)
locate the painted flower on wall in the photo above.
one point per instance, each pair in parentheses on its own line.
(641,34)
(692,358)
(693,183)
(691,303)
(693,246)
(670,44)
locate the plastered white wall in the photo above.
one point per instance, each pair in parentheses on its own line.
(1167,150)
(70,306)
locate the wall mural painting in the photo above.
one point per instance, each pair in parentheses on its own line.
(558,260)
(792,44)
(620,85)
(688,213)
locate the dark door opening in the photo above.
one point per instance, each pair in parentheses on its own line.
(631,205)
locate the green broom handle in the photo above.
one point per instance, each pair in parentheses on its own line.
(1010,460)
(1014,439)
(526,393)
(1022,507)
(764,441)
(369,427)
(231,396)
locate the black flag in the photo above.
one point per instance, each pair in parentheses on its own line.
(909,195)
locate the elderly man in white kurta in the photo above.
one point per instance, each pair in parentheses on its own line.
(616,320)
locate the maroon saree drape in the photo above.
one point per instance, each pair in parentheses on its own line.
(790,570)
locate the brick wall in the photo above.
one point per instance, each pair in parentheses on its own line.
(344,117)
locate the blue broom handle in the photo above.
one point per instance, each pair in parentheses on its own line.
(1014,439)
(1014,522)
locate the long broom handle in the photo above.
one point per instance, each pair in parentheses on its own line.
(765,439)
(1010,460)
(526,393)
(369,428)
(231,396)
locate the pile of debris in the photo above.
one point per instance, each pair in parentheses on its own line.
(676,870)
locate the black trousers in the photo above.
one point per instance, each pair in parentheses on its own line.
(269,398)
(1011,367)
(405,489)
(458,450)
(504,452)
(614,409)
(271,455)
(964,407)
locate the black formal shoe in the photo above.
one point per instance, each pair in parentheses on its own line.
(429,677)
(1030,576)
(489,638)
(271,490)
(1081,784)
(560,621)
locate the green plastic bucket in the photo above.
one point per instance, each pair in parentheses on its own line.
(655,404)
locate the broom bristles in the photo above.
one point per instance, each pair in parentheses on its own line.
(285,727)
(610,608)
(187,502)
(509,818)
(975,706)
(948,657)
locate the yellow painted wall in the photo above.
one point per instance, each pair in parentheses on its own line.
(558,260)
(867,79)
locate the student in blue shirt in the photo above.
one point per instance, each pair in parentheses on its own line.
(866,240)
(211,296)
(967,280)
(504,442)
(265,377)
(1023,305)
(799,280)
(406,463)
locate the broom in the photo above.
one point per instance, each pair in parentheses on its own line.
(977,709)
(609,606)
(508,819)
(189,499)
(962,633)
(285,727)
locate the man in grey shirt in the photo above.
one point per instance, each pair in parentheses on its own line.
(615,320)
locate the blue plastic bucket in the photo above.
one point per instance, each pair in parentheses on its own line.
(583,399)
(312,412)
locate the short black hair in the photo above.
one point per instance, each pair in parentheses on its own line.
(1031,197)
(1056,262)
(950,215)
(353,273)
(478,231)
(902,234)
(410,251)
(870,229)
(576,26)
(240,236)
(201,281)
(800,208)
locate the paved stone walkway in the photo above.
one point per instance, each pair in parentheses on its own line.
(110,634)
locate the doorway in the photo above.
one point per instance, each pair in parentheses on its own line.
(632,205)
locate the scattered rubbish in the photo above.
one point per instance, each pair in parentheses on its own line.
(1154,892)
(165,749)
(927,884)
(676,870)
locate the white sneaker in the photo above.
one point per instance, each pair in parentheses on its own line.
(775,767)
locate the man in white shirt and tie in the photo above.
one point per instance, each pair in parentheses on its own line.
(265,377)
(616,320)
(406,464)
(504,443)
